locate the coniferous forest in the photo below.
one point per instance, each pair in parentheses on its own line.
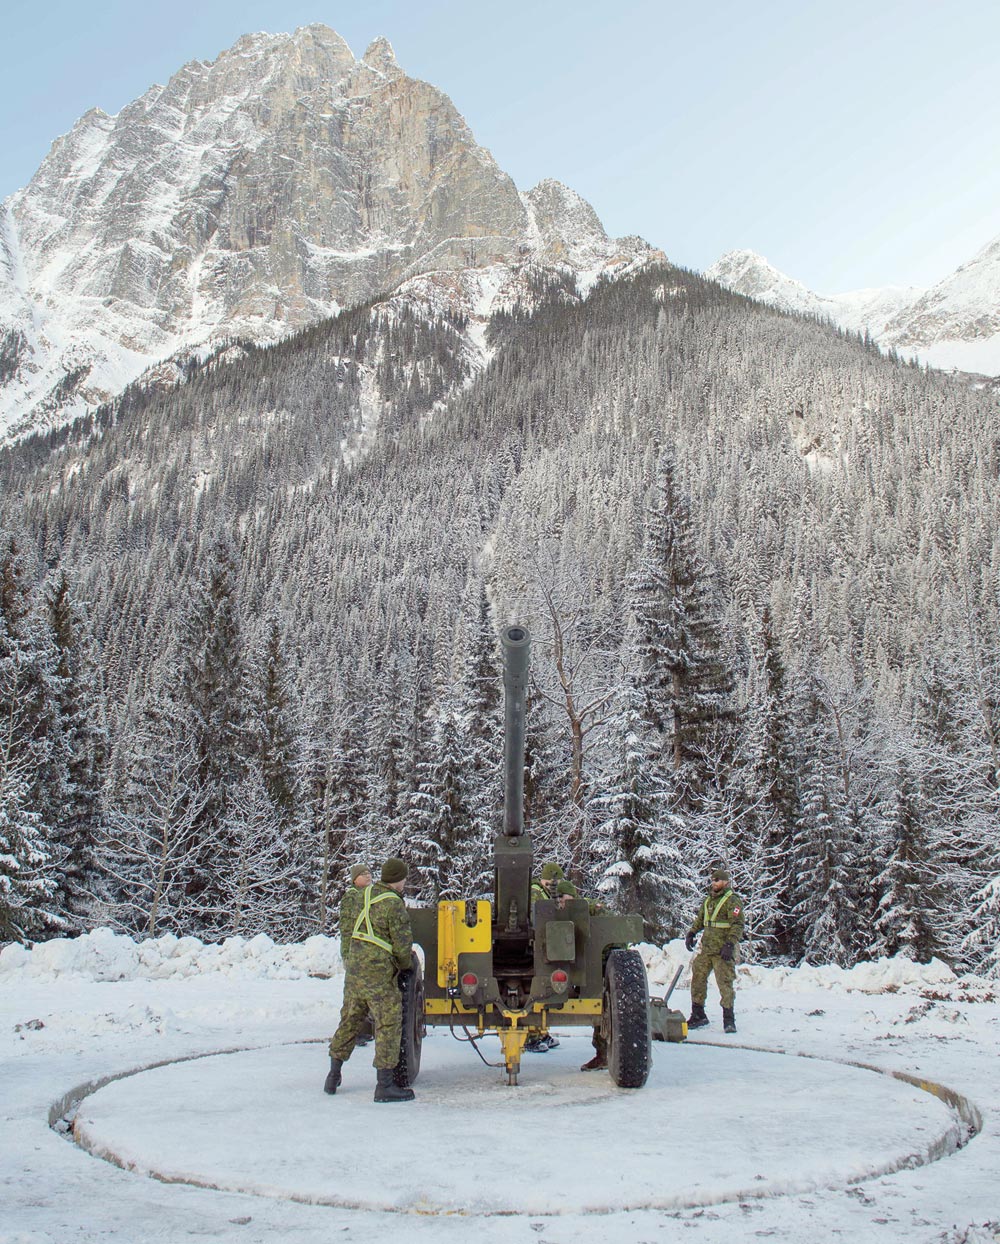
(248,627)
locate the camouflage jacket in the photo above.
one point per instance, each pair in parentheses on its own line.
(390,924)
(350,909)
(721,918)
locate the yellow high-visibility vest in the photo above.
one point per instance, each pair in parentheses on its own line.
(711,922)
(368,934)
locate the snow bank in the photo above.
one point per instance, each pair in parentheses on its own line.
(896,975)
(103,955)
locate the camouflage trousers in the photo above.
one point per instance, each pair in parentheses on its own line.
(376,996)
(725,977)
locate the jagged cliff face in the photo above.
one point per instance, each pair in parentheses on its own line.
(250,196)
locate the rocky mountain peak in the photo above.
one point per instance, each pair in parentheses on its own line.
(249,196)
(380,57)
(746,272)
(568,227)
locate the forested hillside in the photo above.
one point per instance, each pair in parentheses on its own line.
(248,627)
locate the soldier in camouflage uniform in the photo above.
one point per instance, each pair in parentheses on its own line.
(350,909)
(381,946)
(719,919)
(351,904)
(545,886)
(597,1038)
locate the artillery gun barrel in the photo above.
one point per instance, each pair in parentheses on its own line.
(516,643)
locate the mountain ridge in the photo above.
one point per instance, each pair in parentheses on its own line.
(249,196)
(954,325)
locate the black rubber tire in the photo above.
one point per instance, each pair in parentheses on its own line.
(411,986)
(626,1007)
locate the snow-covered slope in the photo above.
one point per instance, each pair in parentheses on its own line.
(957,323)
(746,272)
(248,197)
(954,325)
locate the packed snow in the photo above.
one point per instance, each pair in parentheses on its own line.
(785,1131)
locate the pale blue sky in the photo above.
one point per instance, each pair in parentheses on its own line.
(853,144)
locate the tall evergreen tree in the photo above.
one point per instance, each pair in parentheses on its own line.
(982,945)
(680,636)
(26,889)
(637,868)
(29,694)
(78,697)
(211,694)
(445,849)
(765,826)
(824,900)
(278,746)
(908,882)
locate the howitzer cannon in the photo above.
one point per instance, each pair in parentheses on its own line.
(515,967)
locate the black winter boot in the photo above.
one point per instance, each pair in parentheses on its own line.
(333,1076)
(387,1089)
(728,1019)
(698,1018)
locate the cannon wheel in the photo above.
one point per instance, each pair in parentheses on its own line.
(411,985)
(626,1007)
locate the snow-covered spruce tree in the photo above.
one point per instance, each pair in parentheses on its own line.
(823,899)
(26,889)
(635,866)
(277,732)
(444,851)
(679,628)
(478,693)
(211,696)
(388,763)
(763,825)
(341,798)
(279,753)
(770,738)
(29,697)
(958,802)
(982,945)
(907,884)
(79,698)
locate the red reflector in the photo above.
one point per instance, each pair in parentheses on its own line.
(470,980)
(559,977)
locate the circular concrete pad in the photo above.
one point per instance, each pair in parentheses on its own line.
(711,1125)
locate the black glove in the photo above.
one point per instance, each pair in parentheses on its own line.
(726,953)
(689,940)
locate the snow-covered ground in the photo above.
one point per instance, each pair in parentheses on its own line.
(786,1131)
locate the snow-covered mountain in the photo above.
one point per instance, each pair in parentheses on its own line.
(248,197)
(956,324)
(746,272)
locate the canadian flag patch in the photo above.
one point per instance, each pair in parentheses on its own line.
(736,911)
